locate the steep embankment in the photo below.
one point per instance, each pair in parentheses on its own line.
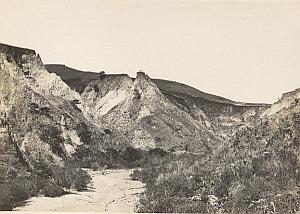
(44,112)
(138,109)
(255,171)
(214,113)
(43,129)
(77,80)
(287,102)
(263,162)
(218,114)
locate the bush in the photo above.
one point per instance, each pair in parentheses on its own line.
(6,202)
(95,166)
(51,189)
(71,176)
(81,180)
(136,175)
(15,191)
(23,188)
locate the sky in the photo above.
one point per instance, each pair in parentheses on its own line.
(243,50)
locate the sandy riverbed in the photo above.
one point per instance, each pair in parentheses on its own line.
(113,192)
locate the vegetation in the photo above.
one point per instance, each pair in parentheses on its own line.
(15,191)
(91,157)
(257,171)
(180,183)
(50,183)
(71,177)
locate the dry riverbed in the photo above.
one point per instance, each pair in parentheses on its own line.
(112,191)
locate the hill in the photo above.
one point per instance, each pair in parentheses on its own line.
(215,113)
(197,152)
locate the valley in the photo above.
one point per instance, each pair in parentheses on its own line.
(187,150)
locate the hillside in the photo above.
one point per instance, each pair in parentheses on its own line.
(144,115)
(76,79)
(256,170)
(180,89)
(285,103)
(215,113)
(195,152)
(44,133)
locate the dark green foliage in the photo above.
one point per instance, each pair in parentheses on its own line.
(174,193)
(84,133)
(95,166)
(53,136)
(174,204)
(17,190)
(136,175)
(250,184)
(70,176)
(51,189)
(49,183)
(170,184)
(89,156)
(6,202)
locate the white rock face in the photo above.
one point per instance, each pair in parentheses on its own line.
(38,78)
(109,101)
(143,140)
(12,83)
(139,110)
(72,139)
(45,82)
(144,112)
(47,128)
(38,149)
(287,100)
(110,94)
(52,84)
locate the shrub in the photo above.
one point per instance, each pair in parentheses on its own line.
(136,175)
(13,192)
(6,202)
(71,176)
(95,166)
(51,189)
(23,188)
(81,180)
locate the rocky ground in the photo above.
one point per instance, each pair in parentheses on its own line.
(110,191)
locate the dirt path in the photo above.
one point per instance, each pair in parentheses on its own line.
(113,192)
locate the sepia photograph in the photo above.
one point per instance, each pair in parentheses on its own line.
(150,106)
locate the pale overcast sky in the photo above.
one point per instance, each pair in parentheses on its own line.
(243,51)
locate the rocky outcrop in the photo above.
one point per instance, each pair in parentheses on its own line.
(104,94)
(220,117)
(28,68)
(138,109)
(44,120)
(285,103)
(16,54)
(77,80)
